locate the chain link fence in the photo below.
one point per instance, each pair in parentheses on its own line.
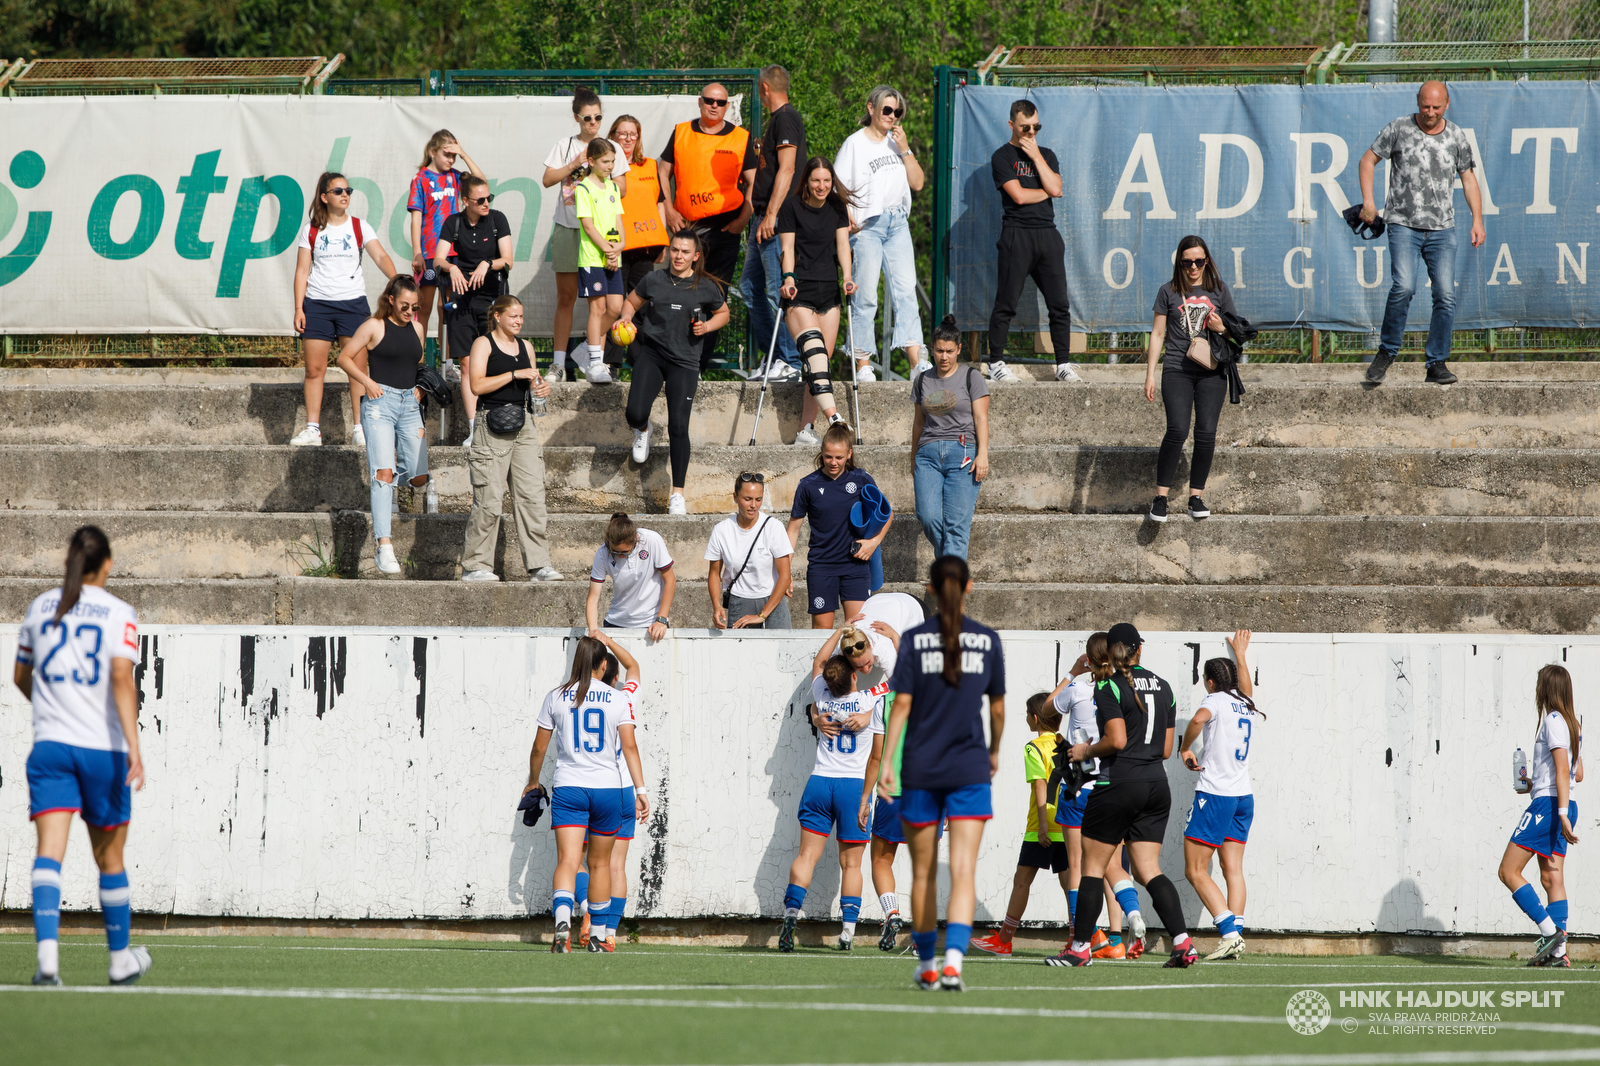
(1498,20)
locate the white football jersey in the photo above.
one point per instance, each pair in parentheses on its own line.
(585,738)
(900,613)
(1225,754)
(1075,704)
(624,775)
(71,661)
(1553,733)
(846,754)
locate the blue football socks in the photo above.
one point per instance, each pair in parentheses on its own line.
(47,914)
(1526,898)
(116,909)
(793,899)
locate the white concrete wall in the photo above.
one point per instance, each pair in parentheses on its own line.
(376,774)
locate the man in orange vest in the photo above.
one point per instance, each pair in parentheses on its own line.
(710,163)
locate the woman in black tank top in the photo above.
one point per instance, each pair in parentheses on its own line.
(502,375)
(391,417)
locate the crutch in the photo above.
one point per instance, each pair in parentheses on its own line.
(850,363)
(766,368)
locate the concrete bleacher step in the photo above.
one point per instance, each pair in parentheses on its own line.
(1276,413)
(1113,549)
(1268,608)
(1320,481)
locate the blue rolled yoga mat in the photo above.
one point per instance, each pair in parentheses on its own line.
(867,516)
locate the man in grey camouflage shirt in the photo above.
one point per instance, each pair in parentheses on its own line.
(1425,153)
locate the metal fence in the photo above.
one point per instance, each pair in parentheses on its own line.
(1498,20)
(1033,66)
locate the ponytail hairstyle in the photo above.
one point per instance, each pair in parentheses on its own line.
(613,669)
(1041,710)
(500,307)
(398,284)
(1553,693)
(949,576)
(599,148)
(89,549)
(439,139)
(699,267)
(946,331)
(1121,661)
(1224,673)
(582,97)
(319,210)
(589,657)
(839,433)
(621,530)
(1098,651)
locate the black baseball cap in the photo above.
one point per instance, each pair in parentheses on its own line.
(1125,634)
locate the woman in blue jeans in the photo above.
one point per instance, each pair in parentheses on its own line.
(949,443)
(391,417)
(877,165)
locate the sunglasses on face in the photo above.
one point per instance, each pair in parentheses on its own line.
(1035,128)
(338,190)
(713,102)
(588,118)
(897,112)
(1194,264)
(483,201)
(853,649)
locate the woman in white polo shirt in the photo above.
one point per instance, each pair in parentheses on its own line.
(750,555)
(642,582)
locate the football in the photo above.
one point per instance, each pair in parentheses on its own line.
(623,333)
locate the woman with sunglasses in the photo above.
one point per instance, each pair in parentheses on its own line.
(877,164)
(330,296)
(750,558)
(565,166)
(642,582)
(473,258)
(1187,308)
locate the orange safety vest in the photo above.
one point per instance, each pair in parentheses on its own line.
(641,220)
(706,170)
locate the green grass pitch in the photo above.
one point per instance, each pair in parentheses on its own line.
(278,1000)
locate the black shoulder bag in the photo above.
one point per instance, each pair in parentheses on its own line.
(727,593)
(506,420)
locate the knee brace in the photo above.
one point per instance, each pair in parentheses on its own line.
(814,356)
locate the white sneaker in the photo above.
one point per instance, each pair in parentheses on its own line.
(921,368)
(558,370)
(641,444)
(140,958)
(808,437)
(387,563)
(676,504)
(544,573)
(1064,372)
(359,437)
(781,371)
(998,371)
(837,419)
(1136,927)
(309,435)
(1232,947)
(865,373)
(480,575)
(597,373)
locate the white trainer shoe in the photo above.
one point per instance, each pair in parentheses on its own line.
(597,373)
(676,504)
(387,563)
(998,371)
(545,573)
(781,371)
(359,437)
(865,373)
(808,437)
(141,960)
(1232,947)
(558,370)
(311,435)
(641,444)
(1064,372)
(480,575)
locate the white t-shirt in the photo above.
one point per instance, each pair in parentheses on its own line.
(564,152)
(875,173)
(1225,753)
(898,611)
(636,580)
(585,740)
(71,661)
(624,775)
(730,543)
(1553,733)
(1075,704)
(335,261)
(846,754)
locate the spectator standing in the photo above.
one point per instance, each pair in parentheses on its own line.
(815,230)
(505,449)
(600,252)
(783,150)
(642,582)
(391,342)
(838,566)
(1030,246)
(1188,306)
(710,163)
(749,555)
(435,196)
(1426,152)
(473,256)
(879,168)
(564,166)
(949,443)
(644,216)
(330,297)
(675,310)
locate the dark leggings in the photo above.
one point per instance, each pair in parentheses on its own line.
(652,369)
(1184,391)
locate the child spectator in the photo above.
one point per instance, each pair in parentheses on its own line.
(435,196)
(599,210)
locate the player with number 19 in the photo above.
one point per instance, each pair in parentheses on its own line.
(844,717)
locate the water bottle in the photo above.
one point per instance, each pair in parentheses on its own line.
(430,503)
(541,406)
(1080,735)
(1519,772)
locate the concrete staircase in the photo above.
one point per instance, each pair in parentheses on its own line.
(1336,508)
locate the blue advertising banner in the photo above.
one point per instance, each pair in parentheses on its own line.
(1262,173)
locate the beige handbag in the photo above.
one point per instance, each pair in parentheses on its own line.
(1200,352)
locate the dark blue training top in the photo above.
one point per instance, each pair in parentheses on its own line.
(827,502)
(944,746)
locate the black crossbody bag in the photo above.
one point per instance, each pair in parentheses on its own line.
(727,593)
(506,420)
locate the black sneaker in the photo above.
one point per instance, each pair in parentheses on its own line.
(786,936)
(1158,510)
(1379,368)
(1197,508)
(891,932)
(1439,374)
(1182,958)
(1546,946)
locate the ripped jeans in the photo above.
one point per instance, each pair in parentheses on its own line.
(396,441)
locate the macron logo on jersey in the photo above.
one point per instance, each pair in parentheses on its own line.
(974,645)
(1202,801)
